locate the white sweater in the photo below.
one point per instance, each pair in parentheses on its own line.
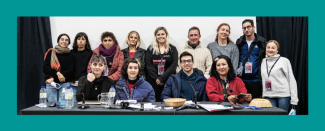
(202,58)
(283,82)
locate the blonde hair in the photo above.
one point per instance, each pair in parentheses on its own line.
(275,42)
(127,38)
(154,44)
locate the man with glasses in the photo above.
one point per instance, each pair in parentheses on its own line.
(188,83)
(202,55)
(254,45)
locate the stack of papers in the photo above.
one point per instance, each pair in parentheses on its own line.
(215,107)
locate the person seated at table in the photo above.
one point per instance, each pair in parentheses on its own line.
(95,82)
(132,86)
(222,73)
(188,79)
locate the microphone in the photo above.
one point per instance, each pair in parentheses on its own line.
(195,95)
(83,106)
(183,106)
(234,105)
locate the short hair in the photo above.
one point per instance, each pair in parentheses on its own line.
(214,73)
(248,20)
(194,28)
(63,34)
(98,58)
(185,53)
(108,34)
(275,42)
(126,63)
(127,38)
(222,24)
(75,44)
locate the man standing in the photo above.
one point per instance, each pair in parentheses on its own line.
(202,55)
(188,83)
(251,43)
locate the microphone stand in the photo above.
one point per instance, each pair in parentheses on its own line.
(195,106)
(83,106)
(235,106)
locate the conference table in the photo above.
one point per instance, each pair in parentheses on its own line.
(98,110)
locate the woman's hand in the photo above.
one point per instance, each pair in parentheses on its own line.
(61,77)
(91,77)
(49,81)
(248,97)
(158,82)
(232,98)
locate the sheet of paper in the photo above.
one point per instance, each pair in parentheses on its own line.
(215,107)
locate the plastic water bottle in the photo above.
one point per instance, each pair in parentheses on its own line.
(68,98)
(42,97)
(62,98)
(111,95)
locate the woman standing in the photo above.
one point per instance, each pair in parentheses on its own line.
(161,60)
(223,77)
(224,46)
(132,84)
(82,52)
(134,50)
(279,83)
(114,57)
(58,66)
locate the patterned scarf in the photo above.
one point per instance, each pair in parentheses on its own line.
(107,52)
(55,64)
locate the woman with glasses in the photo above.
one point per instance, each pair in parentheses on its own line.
(132,84)
(223,83)
(279,83)
(161,60)
(95,82)
(59,66)
(114,56)
(223,45)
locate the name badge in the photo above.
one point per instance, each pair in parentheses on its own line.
(161,68)
(248,67)
(268,86)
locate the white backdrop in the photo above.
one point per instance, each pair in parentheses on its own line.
(177,28)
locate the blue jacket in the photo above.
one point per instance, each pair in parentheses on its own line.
(173,86)
(141,89)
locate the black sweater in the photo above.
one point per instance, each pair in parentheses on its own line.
(67,63)
(82,59)
(171,58)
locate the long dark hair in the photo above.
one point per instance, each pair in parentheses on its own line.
(75,44)
(214,73)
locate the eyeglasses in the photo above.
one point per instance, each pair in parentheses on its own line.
(186,61)
(66,40)
(247,27)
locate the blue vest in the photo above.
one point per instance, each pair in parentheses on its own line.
(253,58)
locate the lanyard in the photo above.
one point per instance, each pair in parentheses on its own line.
(161,57)
(268,73)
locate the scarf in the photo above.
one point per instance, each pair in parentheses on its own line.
(55,64)
(107,52)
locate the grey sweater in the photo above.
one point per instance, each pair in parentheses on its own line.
(283,82)
(230,50)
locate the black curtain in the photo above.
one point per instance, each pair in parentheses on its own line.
(33,40)
(292,35)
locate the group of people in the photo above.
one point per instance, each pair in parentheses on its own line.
(219,72)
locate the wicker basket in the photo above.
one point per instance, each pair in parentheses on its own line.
(259,102)
(175,102)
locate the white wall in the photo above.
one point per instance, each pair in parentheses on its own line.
(121,26)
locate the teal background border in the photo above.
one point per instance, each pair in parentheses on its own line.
(10,11)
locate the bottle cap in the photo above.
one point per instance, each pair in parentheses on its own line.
(68,87)
(43,87)
(112,86)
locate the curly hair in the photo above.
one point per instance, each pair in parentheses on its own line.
(214,73)
(108,34)
(126,64)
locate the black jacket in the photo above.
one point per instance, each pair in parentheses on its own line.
(261,43)
(84,86)
(140,54)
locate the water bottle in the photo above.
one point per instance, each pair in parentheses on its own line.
(111,95)
(42,97)
(68,98)
(62,98)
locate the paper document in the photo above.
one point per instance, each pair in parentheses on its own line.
(215,107)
